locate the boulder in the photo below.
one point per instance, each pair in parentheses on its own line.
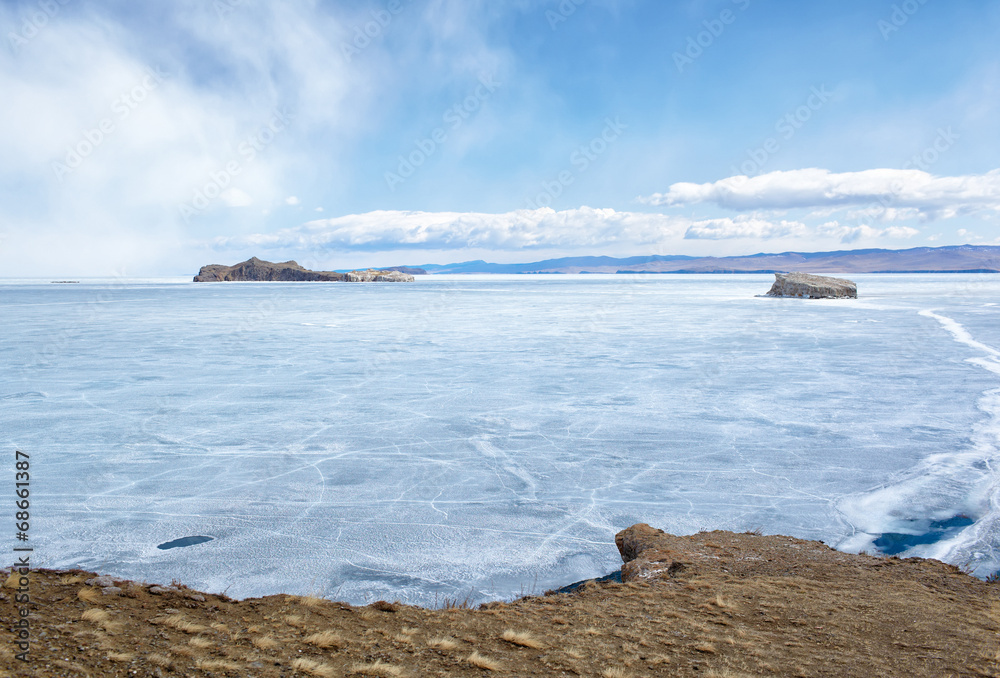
(808,286)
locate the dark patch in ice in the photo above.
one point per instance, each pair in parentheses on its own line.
(24,394)
(891,543)
(615,576)
(184,541)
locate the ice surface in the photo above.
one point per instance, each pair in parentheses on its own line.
(487,436)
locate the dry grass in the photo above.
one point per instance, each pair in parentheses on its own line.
(265,643)
(522,638)
(325,639)
(181,623)
(88,595)
(12,581)
(70,579)
(296,620)
(377,668)
(614,672)
(159,660)
(443,643)
(591,631)
(483,662)
(314,668)
(121,656)
(312,601)
(203,643)
(216,665)
(707,648)
(95,615)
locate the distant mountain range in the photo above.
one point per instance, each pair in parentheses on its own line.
(950,259)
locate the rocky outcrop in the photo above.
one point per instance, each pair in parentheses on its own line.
(808,286)
(258,270)
(373,275)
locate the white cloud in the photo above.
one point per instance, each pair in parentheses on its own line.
(743,227)
(521,229)
(850,234)
(291,200)
(234,197)
(931,196)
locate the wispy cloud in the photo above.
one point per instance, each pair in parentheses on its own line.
(520,229)
(744,227)
(931,196)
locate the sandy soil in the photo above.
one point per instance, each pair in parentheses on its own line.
(733,605)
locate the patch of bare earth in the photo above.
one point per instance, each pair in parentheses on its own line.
(712,604)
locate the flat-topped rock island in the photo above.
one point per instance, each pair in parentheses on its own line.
(808,286)
(258,270)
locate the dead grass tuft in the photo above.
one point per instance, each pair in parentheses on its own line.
(614,672)
(314,668)
(217,665)
(325,639)
(482,662)
(69,579)
(313,601)
(181,623)
(522,638)
(443,643)
(377,668)
(707,648)
(591,631)
(89,595)
(95,615)
(121,656)
(298,621)
(159,660)
(265,642)
(203,643)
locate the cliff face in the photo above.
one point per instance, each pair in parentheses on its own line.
(258,270)
(255,269)
(810,286)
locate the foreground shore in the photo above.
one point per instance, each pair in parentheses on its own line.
(711,604)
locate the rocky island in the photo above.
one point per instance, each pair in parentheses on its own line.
(808,286)
(258,270)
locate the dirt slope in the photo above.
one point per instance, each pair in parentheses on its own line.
(712,604)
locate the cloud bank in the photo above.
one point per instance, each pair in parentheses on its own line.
(573,229)
(907,192)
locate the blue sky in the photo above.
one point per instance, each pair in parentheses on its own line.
(150,139)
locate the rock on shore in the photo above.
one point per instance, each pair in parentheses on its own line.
(808,286)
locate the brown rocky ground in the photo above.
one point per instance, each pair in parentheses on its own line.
(712,604)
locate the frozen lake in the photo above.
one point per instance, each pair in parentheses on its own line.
(487,436)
